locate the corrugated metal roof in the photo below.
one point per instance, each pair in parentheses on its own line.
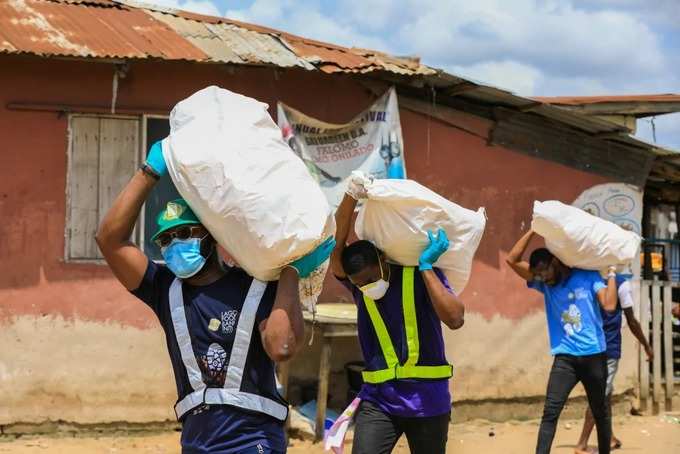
(593,125)
(403,66)
(79,30)
(638,106)
(584,100)
(227,43)
(129,29)
(73,28)
(329,58)
(89,2)
(495,96)
(256,48)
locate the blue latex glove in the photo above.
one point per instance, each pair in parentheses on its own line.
(155,159)
(305,265)
(438,245)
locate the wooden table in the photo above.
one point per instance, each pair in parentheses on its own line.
(333,320)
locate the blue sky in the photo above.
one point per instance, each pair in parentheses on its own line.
(531,47)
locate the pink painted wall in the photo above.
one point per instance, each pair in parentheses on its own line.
(36,283)
(459,166)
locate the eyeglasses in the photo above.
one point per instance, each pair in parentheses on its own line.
(182,233)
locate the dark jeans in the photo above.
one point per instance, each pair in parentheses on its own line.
(567,370)
(376,432)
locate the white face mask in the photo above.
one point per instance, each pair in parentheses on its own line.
(375,290)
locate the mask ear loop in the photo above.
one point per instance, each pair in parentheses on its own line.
(212,249)
(382,274)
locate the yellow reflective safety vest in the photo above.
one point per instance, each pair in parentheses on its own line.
(410,368)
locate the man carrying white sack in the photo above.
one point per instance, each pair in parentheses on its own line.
(224,329)
(577,338)
(400,310)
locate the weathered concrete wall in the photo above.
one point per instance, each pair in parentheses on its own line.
(83,371)
(76,346)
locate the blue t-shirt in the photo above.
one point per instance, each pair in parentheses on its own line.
(218,428)
(573,313)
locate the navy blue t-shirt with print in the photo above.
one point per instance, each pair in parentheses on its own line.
(217,428)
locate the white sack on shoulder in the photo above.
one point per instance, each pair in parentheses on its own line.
(227,159)
(582,240)
(397,215)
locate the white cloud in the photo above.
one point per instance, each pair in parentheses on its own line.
(509,75)
(308,20)
(553,36)
(372,15)
(663,13)
(196,6)
(202,7)
(263,12)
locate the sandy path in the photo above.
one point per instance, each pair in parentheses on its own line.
(639,434)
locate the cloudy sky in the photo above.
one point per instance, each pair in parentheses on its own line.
(531,47)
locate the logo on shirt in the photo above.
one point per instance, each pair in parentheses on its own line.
(213,366)
(229,321)
(581,293)
(214,324)
(571,320)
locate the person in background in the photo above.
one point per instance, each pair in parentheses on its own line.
(577,339)
(612,331)
(224,329)
(400,312)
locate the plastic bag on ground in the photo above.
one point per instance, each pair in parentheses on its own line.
(582,240)
(227,159)
(397,215)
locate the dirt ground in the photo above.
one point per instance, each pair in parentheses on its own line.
(648,434)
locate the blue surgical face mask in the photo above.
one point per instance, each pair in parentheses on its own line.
(183,257)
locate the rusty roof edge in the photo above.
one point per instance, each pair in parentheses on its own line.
(150,6)
(211,19)
(96,3)
(657,149)
(283,37)
(290,37)
(607,99)
(442,80)
(448,77)
(607,126)
(305,63)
